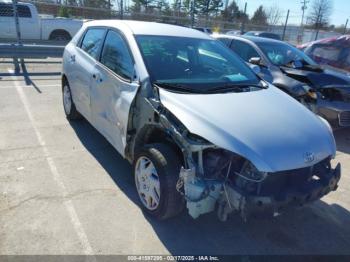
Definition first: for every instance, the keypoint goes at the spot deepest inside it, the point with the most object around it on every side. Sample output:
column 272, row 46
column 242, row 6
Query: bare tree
column 274, row 15
column 320, row 13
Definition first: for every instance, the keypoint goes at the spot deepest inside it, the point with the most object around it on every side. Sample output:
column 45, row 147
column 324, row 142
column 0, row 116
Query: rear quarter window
column 330, row 53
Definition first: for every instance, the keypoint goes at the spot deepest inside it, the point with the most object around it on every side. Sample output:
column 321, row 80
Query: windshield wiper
column 177, row 87
column 232, row 87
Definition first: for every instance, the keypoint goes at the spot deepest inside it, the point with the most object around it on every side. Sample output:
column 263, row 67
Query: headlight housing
column 312, row 94
column 251, row 173
column 249, row 178
column 310, row 91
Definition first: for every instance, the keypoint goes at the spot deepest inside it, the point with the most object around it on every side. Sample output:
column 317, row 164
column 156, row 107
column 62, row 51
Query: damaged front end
column 231, row 184
column 229, row 180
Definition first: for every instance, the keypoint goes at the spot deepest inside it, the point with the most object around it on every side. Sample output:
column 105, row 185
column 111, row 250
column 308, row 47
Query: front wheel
column 156, row 171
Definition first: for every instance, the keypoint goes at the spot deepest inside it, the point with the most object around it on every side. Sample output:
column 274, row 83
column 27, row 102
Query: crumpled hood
column 318, row 79
column 267, row 127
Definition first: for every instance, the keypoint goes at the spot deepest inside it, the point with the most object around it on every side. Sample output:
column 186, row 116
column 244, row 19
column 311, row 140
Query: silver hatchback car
column 201, row 129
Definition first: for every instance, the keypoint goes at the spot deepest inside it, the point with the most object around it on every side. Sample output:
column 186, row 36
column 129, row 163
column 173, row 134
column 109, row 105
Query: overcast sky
column 341, row 9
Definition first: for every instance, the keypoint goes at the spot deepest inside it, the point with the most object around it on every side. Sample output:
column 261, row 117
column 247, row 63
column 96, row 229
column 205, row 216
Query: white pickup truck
column 32, row 26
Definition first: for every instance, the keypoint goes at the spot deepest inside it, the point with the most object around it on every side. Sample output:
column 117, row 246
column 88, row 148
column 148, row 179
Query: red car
column 334, row 52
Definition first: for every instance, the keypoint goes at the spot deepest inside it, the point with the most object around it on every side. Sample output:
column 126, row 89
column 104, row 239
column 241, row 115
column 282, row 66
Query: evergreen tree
column 137, row 4
column 233, row 14
column 259, row 17
column 97, row 3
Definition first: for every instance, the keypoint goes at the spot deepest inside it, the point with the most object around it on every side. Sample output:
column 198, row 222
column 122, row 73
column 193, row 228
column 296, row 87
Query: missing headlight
column 249, row 178
column 217, row 161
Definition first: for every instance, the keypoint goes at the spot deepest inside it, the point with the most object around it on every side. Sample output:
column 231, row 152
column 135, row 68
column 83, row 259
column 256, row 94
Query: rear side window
column 329, row 53
column 273, row 36
column 116, row 55
column 92, row 41
column 6, row 10
column 244, row 50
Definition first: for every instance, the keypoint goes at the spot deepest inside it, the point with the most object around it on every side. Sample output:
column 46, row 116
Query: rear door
column 83, row 62
column 113, row 89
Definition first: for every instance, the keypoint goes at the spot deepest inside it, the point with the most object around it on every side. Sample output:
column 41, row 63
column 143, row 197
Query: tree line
column 319, row 11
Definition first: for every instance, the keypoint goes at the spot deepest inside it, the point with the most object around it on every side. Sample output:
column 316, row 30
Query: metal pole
column 285, row 26
column 15, row 16
column 346, row 24
column 243, row 22
column 301, row 31
column 319, row 21
column 303, row 8
column 121, row 9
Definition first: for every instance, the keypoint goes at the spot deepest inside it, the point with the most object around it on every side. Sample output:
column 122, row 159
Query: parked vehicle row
column 324, row 91
column 263, row 34
column 33, row 27
column 239, row 32
column 201, row 129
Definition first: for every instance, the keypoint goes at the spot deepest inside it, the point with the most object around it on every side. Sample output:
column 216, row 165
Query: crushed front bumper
column 314, row 189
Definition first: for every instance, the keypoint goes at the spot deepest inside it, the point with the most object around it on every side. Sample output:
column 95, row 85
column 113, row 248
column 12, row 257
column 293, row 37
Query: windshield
column 281, row 54
column 196, row 64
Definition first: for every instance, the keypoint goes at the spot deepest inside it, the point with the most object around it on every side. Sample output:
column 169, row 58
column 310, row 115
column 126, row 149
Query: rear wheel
column 60, row 35
column 156, row 170
column 68, row 104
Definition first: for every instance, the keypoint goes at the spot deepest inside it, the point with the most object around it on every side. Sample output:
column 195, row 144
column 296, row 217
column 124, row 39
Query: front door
column 113, row 90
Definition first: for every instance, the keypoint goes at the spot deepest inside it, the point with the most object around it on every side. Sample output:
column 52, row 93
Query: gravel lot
column 65, row 190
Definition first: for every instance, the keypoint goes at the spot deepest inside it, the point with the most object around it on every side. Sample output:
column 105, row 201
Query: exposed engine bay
column 233, row 184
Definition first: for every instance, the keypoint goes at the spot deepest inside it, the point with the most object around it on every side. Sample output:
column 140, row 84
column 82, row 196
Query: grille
column 344, row 118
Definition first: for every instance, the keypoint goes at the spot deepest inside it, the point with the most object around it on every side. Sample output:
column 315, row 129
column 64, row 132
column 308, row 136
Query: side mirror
column 255, row 61
column 297, row 64
column 256, row 69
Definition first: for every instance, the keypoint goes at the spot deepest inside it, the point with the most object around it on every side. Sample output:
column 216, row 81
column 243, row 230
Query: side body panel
column 110, row 104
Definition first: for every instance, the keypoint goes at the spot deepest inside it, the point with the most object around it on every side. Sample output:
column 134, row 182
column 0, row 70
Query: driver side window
column 244, row 50
column 116, row 56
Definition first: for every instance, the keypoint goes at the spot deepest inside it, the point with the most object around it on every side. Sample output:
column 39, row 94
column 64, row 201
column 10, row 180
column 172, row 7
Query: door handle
column 72, row 58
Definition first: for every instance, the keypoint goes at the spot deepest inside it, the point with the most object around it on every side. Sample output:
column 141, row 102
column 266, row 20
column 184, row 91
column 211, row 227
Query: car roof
column 254, row 39
column 151, row 28
column 260, row 32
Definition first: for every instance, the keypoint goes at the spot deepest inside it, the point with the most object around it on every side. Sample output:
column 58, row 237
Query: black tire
column 60, row 35
column 73, row 113
column 167, row 165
